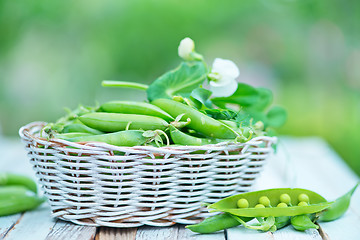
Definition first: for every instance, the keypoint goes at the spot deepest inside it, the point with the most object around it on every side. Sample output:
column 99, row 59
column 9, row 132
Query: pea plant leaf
column 245, row 96
column 180, row 81
column 200, row 96
column 276, row 117
column 221, row 114
column 264, row 101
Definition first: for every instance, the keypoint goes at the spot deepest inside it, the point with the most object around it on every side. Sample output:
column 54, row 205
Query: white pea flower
column 186, row 50
column 223, row 77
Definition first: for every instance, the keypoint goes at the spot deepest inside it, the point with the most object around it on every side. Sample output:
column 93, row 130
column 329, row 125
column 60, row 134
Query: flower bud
column 186, row 47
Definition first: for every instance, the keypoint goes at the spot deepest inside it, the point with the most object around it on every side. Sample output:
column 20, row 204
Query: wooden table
column 300, row 162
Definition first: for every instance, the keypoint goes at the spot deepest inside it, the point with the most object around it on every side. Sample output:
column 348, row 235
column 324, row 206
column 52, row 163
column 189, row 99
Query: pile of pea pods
column 159, row 123
column 273, row 209
column 17, row 194
column 181, row 109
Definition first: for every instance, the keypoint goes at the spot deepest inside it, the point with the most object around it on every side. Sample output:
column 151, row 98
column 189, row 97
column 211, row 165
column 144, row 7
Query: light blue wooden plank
column 34, row 225
column 186, row 234
column 248, row 234
column 65, row 230
column 320, row 169
column 7, row 223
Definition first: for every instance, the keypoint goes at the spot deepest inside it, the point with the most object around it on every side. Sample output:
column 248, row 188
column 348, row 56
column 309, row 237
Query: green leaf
column 180, row 81
column 245, row 96
column 276, row 117
column 221, row 114
column 265, row 99
column 200, row 96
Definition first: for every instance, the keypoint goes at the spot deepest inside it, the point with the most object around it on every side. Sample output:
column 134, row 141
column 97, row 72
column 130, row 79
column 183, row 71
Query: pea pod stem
column 123, row 84
column 265, row 225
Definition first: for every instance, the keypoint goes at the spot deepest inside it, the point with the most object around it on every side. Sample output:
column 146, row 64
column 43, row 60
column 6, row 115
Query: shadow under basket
column 98, row 184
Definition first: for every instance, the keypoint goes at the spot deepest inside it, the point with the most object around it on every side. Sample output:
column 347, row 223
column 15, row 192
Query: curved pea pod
column 216, row 223
column 71, row 135
column 181, row 138
column 113, row 122
column 127, row 138
column 230, row 124
column 19, row 202
column 281, row 222
column 79, row 128
column 339, row 207
column 8, row 179
column 7, row 192
column 199, row 121
column 131, row 107
column 302, row 222
column 229, row 204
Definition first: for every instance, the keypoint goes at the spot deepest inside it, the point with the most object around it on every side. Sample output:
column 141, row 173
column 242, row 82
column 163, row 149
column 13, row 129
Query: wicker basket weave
column 99, row 184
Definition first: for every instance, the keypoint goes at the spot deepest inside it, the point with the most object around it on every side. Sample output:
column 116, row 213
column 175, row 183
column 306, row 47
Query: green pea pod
column 216, row 223
column 7, row 179
column 229, row 204
column 8, row 191
column 302, row 222
column 199, row 121
column 130, row 107
column 19, row 203
column 229, row 123
column 282, row 221
column 71, row 135
column 181, row 138
column 79, row 128
column 339, row 207
column 127, row 138
column 113, row 122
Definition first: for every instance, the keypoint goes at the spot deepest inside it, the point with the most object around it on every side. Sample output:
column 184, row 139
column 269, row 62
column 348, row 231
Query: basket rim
column 25, row 134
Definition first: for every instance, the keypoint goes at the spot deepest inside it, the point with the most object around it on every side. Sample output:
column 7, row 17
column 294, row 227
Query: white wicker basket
column 99, row 184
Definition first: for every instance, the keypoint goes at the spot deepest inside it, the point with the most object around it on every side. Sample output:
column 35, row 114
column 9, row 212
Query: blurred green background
column 56, row 53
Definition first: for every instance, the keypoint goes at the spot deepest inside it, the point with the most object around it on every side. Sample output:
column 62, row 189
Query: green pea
column 243, row 203
column 15, row 199
column 200, row 122
column 302, row 223
column 282, row 205
column 339, row 207
column 285, row 198
column 71, row 135
column 128, row 138
column 301, row 204
column 259, row 206
column 264, row 201
column 131, row 107
column 216, row 223
column 229, row 204
column 181, row 138
column 113, row 122
column 7, row 179
column 303, row 198
column 79, row 128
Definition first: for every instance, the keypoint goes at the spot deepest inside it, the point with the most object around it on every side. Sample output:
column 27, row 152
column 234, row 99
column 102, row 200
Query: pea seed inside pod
column 259, row 206
column 282, row 205
column 302, row 204
column 285, row 198
column 303, row 197
column 264, row 201
column 243, row 203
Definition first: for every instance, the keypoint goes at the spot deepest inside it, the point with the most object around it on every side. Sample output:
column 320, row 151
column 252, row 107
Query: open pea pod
column 316, row 202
